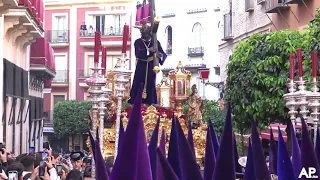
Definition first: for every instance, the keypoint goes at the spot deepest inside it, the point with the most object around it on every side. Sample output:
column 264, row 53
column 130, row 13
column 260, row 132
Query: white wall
column 182, row 36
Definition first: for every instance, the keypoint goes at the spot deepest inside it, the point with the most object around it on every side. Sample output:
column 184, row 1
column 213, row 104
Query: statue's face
column 146, row 35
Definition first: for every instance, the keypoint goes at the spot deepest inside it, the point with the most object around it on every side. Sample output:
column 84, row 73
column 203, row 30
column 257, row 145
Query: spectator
column 28, row 163
column 74, row 175
column 83, row 29
column 77, row 160
column 87, row 173
column 16, row 167
column 90, row 30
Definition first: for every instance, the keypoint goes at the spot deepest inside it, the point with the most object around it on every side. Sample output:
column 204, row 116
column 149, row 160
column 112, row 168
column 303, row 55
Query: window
column 61, row 23
column 90, row 62
column 61, row 62
column 109, row 24
column 57, row 98
column 169, row 39
column 197, row 34
column 59, row 28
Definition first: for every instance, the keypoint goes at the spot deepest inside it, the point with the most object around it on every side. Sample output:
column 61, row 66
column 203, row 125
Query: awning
column 36, row 7
column 42, row 58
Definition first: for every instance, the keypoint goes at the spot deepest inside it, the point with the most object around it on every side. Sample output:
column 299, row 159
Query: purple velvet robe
column 140, row 72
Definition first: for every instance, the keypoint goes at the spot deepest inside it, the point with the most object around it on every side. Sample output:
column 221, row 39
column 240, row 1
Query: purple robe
column 140, row 72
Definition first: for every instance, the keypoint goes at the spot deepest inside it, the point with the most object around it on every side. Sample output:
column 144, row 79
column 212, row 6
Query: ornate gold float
column 176, row 92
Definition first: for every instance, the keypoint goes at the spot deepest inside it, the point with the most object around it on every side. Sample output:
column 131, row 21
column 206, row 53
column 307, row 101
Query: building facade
column 239, row 20
column 22, row 79
column 188, row 32
column 70, row 27
column 291, row 14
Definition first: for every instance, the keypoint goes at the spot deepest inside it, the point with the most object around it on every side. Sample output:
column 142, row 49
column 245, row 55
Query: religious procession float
column 111, row 90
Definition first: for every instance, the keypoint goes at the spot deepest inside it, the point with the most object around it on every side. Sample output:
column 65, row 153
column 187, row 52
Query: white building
column 192, row 28
column 247, row 17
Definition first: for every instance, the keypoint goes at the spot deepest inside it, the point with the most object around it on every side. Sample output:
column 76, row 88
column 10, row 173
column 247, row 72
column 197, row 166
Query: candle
column 125, row 38
column 97, row 46
column 104, row 60
column 299, row 55
column 314, row 58
column 292, row 57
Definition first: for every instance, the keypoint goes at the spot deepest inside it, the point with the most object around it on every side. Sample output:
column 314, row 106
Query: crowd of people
column 45, row 165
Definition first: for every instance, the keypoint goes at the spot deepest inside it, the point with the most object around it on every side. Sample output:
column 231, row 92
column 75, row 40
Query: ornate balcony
column 104, row 32
column 249, row 5
column 110, row 37
column 196, row 52
column 58, row 38
column 228, row 26
column 274, row 6
column 61, row 79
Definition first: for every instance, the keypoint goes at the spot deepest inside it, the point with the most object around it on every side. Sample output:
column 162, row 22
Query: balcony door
column 61, row 62
column 59, row 34
column 100, row 23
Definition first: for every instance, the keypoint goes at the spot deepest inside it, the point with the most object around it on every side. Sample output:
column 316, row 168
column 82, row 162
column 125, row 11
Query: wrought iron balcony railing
column 62, row 76
column 57, row 36
column 228, row 26
column 85, row 73
column 196, row 52
column 249, row 5
column 274, row 6
column 104, row 32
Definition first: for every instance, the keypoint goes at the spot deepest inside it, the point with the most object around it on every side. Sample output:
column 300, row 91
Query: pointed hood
column 318, row 146
column 190, row 168
column 164, row 170
column 102, row 169
column 190, row 139
column 250, row 172
column 273, row 154
column 296, row 153
column 285, row 169
column 308, row 157
column 152, row 149
column 262, row 171
column 236, row 155
column 133, row 158
column 215, row 141
column 121, row 133
column 162, row 144
column 173, row 152
column 224, row 168
column 210, row 159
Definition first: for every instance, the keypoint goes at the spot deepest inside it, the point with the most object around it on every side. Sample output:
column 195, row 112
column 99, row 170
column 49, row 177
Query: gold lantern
column 163, row 93
column 180, row 84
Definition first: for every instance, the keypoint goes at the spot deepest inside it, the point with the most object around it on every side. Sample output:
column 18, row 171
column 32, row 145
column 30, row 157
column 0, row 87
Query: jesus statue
column 144, row 73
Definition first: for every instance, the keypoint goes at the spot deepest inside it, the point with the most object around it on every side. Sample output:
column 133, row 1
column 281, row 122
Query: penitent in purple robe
column 142, row 55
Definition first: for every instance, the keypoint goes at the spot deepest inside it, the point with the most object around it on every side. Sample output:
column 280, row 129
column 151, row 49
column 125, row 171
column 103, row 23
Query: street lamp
column 204, row 75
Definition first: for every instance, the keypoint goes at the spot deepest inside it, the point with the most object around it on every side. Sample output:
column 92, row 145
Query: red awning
column 39, row 52
column 42, row 53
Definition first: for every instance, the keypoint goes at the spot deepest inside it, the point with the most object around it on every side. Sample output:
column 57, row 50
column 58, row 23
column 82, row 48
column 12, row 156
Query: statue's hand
column 159, row 55
column 152, row 49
